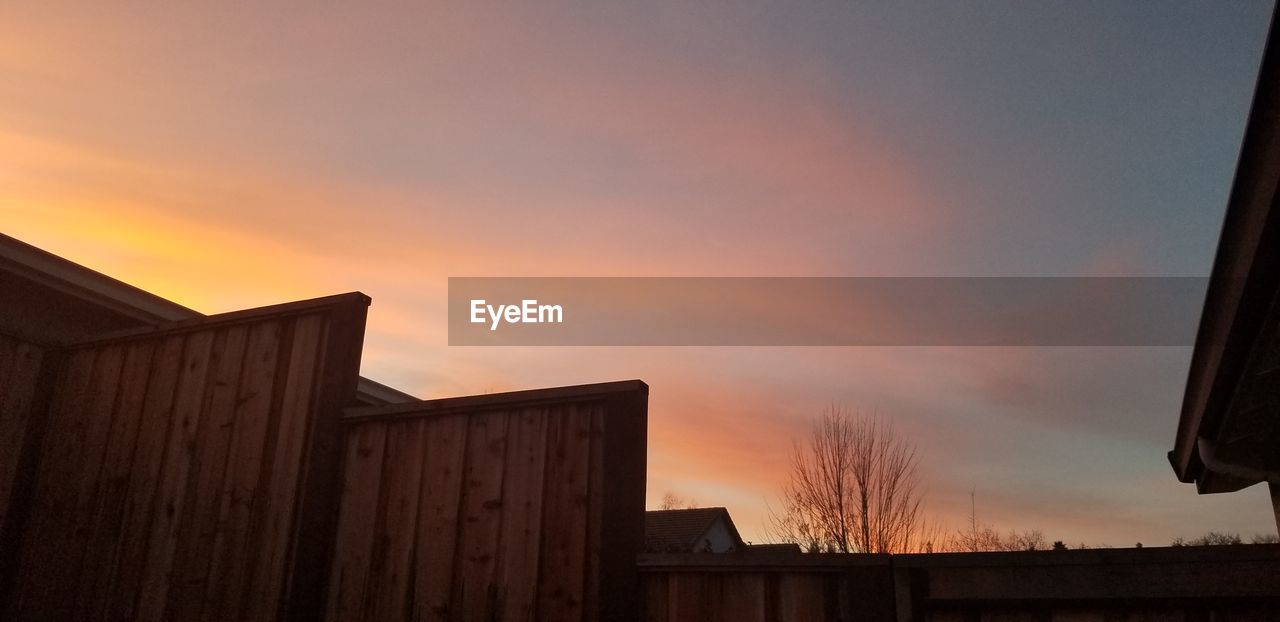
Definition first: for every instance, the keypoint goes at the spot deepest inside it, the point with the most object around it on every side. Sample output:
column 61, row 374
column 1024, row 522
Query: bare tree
column 853, row 488
column 982, row 537
column 673, row 501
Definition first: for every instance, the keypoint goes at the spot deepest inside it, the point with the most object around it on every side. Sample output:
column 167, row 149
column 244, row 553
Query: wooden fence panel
column 1180, row 583
column 180, row 464
column 518, row 506
column 752, row 595
column 20, row 364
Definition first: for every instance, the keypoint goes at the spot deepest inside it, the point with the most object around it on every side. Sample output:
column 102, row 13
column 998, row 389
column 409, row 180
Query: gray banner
column 837, row 311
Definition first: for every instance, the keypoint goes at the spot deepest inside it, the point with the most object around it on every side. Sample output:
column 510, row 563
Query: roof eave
column 1242, row 284
column 100, row 291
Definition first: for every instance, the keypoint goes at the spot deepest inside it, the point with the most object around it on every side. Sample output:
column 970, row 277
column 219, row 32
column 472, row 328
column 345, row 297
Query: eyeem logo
column 527, row 312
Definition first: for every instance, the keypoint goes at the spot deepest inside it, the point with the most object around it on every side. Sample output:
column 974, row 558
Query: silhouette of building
column 695, row 530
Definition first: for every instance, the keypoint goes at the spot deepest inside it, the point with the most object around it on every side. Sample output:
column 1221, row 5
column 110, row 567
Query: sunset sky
column 238, row 155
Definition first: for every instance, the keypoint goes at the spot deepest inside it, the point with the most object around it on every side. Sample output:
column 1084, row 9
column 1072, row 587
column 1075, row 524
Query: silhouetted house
column 1229, row 430
column 695, row 530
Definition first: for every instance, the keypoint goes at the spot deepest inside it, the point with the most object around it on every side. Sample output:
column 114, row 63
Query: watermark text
column 527, row 312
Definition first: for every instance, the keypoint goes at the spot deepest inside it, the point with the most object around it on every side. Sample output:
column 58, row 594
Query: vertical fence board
column 388, row 595
column 363, row 469
column 144, row 477
column 98, row 415
column 522, row 514
column 180, row 454
column 655, row 597
column 90, row 441
column 690, row 600
column 284, row 470
column 802, row 597
column 745, row 598
column 20, row 364
column 54, row 498
column 478, row 545
column 198, row 525
column 562, row 574
column 107, row 522
column 595, row 510
column 228, row 561
column 439, row 503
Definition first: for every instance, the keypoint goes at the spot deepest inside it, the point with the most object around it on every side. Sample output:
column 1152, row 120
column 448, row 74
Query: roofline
column 95, row 288
column 1243, row 283
column 507, row 400
column 720, row 511
column 71, row 278
column 374, row 393
column 733, row 529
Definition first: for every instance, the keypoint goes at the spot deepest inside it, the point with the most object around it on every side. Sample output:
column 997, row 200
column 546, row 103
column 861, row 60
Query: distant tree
column 1214, row 538
column 988, row 539
column 673, row 501
column 1211, row 538
column 1030, row 540
column 980, row 537
column 1059, row 545
column 853, row 487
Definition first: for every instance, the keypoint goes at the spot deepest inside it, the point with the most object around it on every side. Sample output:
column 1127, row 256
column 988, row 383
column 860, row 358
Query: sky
column 234, row 155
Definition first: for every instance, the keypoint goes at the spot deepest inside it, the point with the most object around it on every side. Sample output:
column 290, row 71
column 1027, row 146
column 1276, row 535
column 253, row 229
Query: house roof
column 680, row 530
column 51, row 300
column 1228, row 433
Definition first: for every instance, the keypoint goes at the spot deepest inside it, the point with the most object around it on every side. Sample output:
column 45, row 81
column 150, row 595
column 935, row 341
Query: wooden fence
column 20, row 363
column 214, row 469
column 180, row 472
column 746, row 587
column 211, row 468
column 1221, row 583
column 515, row 506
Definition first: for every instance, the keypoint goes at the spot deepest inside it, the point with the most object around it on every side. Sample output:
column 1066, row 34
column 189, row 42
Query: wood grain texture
column 357, row 521
column 397, row 514
column 50, row 524
column 563, row 570
column 198, row 525
column 281, row 471
column 478, row 543
column 105, row 525
column 172, row 462
column 522, row 514
column 1181, row 583
column 240, row 500
column 19, row 370
column 506, row 507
